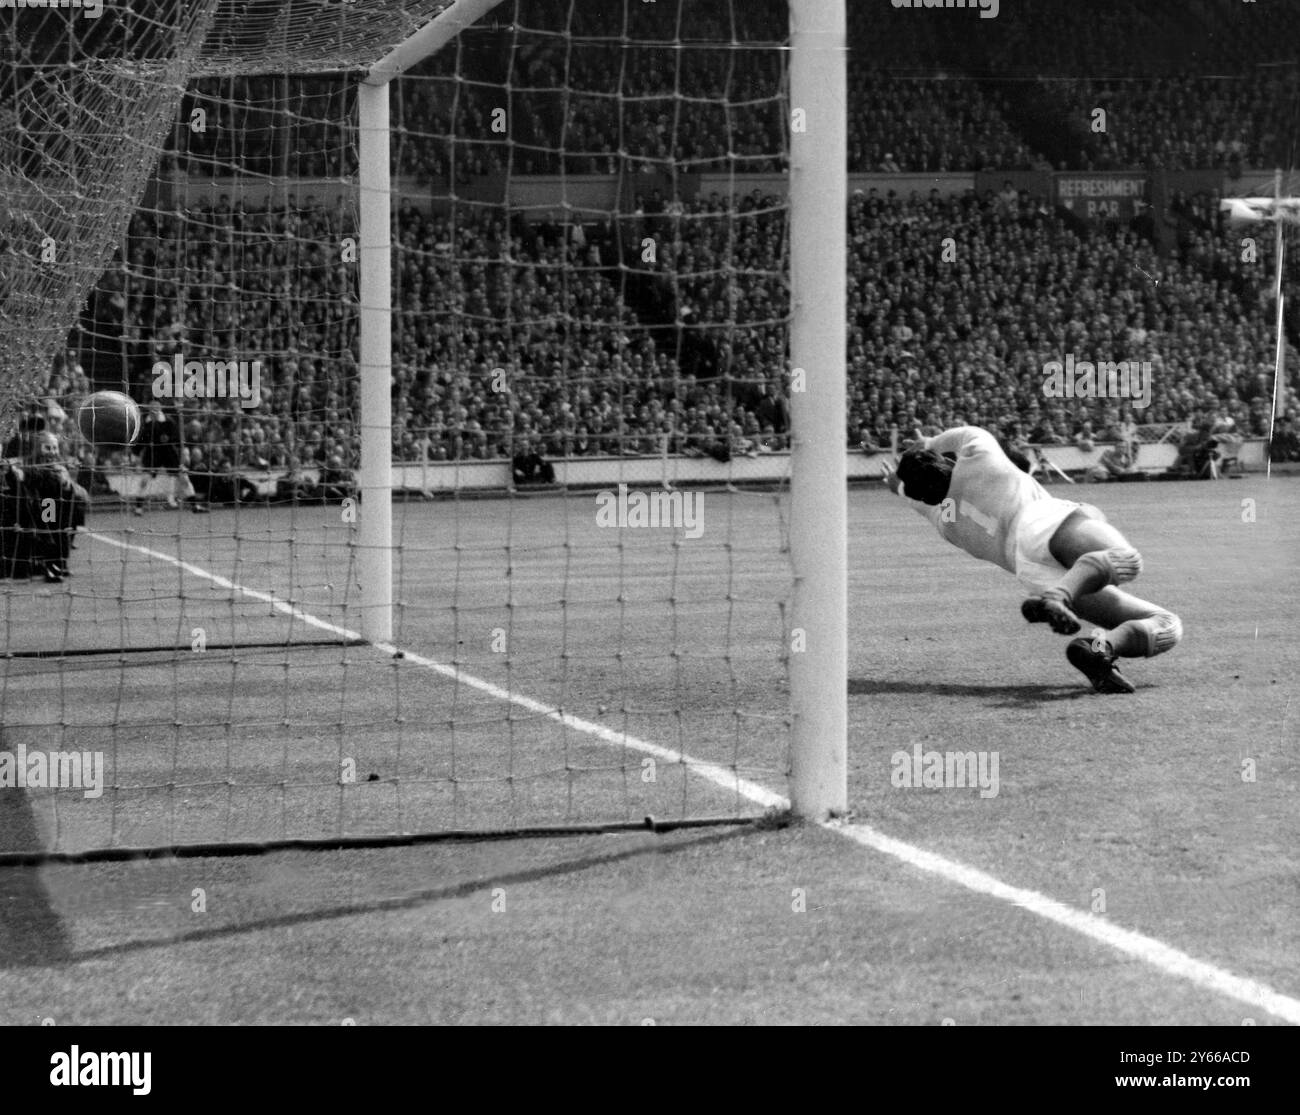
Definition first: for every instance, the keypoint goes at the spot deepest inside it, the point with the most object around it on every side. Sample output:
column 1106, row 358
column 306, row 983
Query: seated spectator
column 1117, row 464
column 295, row 486
column 215, row 483
column 703, row 441
column 1127, row 432
column 581, row 444
column 530, row 467
column 1197, row 454
column 870, row 442
column 1228, row 447
column 1285, row 445
column 1045, row 434
column 739, row 444
column 772, row 409
column 337, row 482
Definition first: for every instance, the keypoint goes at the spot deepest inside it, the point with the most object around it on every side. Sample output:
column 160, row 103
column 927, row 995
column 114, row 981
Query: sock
column 1145, row 638
column 1128, row 640
column 1086, row 575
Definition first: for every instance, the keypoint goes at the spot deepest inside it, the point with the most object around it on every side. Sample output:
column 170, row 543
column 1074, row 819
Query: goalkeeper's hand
column 890, row 477
column 914, row 437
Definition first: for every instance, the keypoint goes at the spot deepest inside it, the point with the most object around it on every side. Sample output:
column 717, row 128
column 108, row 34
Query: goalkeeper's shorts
column 1036, row 569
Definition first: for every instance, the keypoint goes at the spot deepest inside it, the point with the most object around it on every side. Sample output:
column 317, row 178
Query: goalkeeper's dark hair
column 1013, row 454
column 925, row 475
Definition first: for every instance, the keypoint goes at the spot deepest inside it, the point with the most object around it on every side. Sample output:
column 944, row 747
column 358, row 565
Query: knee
column 1166, row 633
column 1119, row 563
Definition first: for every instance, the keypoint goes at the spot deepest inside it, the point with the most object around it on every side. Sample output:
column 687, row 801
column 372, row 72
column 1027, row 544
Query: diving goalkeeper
column 1066, row 553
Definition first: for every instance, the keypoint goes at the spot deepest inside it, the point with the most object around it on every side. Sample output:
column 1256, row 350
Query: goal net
column 462, row 337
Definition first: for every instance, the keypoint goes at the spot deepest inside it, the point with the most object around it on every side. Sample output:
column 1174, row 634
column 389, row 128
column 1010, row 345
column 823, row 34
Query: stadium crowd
column 926, row 94
column 557, row 339
column 516, row 339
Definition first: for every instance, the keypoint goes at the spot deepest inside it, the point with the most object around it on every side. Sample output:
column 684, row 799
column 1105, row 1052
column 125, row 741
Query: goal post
column 818, row 201
column 450, row 236
column 818, row 498
column 375, row 561
column 375, row 520
column 429, row 39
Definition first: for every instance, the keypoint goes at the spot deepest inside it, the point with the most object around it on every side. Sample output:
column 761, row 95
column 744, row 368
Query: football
column 109, row 418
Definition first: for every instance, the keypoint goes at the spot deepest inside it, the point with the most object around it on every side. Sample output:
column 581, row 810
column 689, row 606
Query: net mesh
column 587, row 278
column 83, row 111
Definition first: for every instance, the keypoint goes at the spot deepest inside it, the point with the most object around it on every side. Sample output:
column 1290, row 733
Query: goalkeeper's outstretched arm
column 957, row 439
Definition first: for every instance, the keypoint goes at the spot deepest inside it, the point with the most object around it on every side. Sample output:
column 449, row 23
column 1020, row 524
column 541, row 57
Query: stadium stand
column 689, row 359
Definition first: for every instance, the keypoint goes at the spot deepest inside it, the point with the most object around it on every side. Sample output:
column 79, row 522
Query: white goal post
column 375, row 523
column 818, row 518
column 818, row 497
column 646, row 248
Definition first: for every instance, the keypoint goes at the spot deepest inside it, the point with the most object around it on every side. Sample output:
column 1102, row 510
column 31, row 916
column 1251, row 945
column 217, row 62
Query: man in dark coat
column 41, row 507
column 160, row 451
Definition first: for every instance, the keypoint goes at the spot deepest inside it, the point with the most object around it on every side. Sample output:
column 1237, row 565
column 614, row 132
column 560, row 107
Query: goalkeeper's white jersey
column 985, row 498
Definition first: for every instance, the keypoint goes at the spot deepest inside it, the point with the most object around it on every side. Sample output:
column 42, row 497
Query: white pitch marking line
column 1157, row 954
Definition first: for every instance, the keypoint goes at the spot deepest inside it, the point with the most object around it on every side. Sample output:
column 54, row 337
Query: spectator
column 41, row 507
column 1197, row 453
column 336, row 482
column 1115, row 464
column 530, row 467
column 32, row 422
column 160, row 451
column 296, row 486
column 1285, row 445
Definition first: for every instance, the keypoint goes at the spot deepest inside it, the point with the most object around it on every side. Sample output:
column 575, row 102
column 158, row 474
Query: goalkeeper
column 1066, row 553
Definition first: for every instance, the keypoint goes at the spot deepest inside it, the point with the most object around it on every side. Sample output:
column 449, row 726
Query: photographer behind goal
column 41, row 507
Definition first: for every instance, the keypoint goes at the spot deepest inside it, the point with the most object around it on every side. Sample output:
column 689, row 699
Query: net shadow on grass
column 414, row 901
column 224, row 716
column 361, row 745
column 30, row 930
column 1017, row 695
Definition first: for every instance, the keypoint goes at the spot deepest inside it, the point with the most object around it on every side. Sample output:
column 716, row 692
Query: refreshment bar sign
column 1103, row 197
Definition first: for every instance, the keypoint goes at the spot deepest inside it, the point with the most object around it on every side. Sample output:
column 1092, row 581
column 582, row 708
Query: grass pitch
column 1170, row 812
